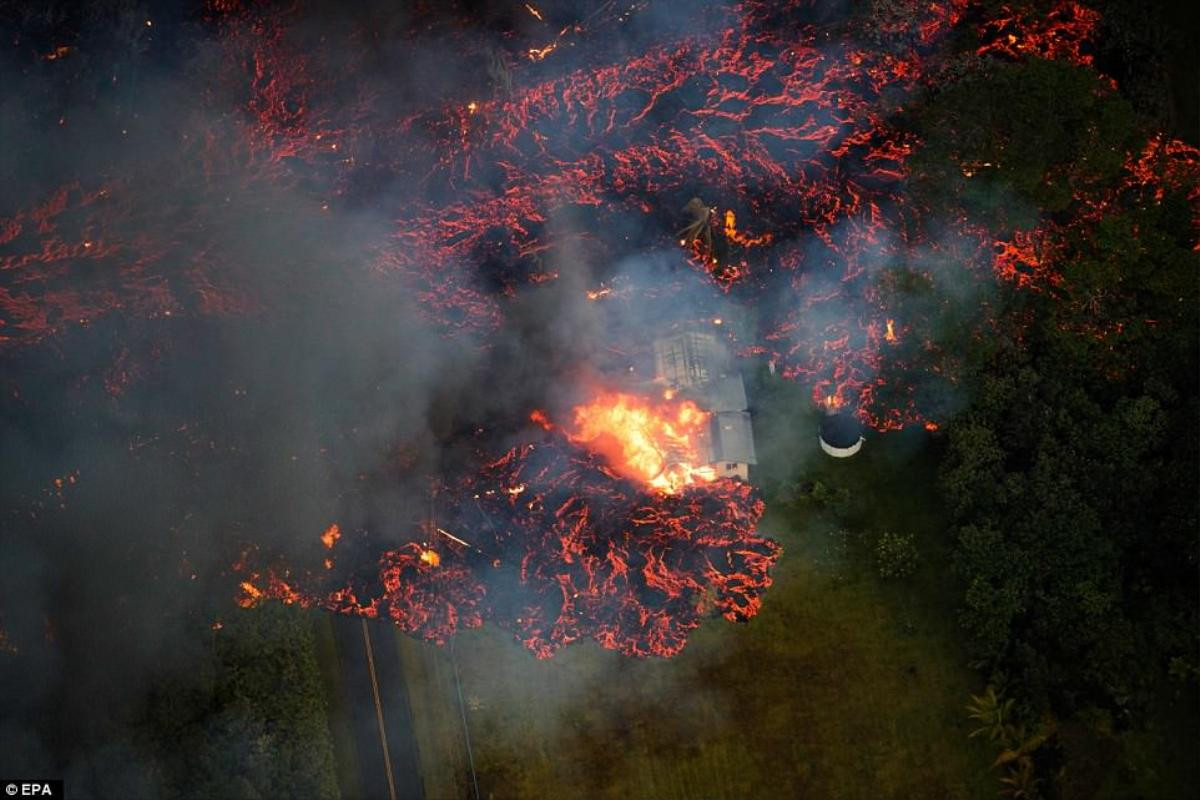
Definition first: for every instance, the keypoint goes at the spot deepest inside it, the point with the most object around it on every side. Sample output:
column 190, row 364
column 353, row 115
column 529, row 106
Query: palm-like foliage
column 699, row 232
column 993, row 711
column 1020, row 783
column 1022, row 745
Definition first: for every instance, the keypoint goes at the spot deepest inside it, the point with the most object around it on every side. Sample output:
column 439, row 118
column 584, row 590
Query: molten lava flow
column 660, row 444
column 1059, row 35
column 631, row 566
column 570, row 550
column 412, row 585
column 608, row 527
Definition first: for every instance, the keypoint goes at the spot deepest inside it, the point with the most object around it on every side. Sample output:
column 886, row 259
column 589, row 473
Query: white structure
column 700, row 368
column 840, row 435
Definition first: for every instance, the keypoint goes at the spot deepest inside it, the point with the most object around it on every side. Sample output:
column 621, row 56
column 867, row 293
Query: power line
column 462, row 709
column 463, row 712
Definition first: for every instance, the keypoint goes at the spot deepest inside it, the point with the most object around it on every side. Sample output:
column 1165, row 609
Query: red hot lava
column 582, row 533
column 567, row 549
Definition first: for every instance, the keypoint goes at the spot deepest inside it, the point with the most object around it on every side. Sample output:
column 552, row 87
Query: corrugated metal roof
column 732, row 439
column 725, row 393
column 691, row 358
column 702, row 366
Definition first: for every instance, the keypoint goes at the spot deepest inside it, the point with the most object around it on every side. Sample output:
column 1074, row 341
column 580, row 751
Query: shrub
column 895, row 555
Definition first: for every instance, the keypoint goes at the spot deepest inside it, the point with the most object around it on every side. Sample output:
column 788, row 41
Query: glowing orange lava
column 251, row 595
column 660, row 443
column 330, row 536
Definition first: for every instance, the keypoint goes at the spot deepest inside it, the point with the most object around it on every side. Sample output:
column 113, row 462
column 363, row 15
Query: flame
column 891, row 331
column 538, row 416
column 659, row 444
column 431, row 558
column 733, row 235
column 538, row 54
column 330, row 536
column 251, row 595
column 533, row 10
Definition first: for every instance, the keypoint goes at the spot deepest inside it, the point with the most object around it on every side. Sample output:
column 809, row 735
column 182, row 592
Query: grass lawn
column 437, row 717
column 845, row 686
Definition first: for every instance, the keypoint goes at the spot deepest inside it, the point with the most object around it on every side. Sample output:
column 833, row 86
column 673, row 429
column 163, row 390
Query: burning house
column 698, row 367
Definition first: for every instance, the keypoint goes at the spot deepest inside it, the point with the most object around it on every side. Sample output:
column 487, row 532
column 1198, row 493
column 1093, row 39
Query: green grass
column 844, row 686
column 433, row 700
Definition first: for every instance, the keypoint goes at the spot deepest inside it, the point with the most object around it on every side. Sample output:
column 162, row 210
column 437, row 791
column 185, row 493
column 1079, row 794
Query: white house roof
column 731, row 438
column 701, row 366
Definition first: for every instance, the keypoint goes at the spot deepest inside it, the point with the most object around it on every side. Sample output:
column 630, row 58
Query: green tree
column 249, row 719
column 1010, row 141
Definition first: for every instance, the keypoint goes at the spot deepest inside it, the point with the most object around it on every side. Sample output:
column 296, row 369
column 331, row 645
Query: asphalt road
column 377, row 703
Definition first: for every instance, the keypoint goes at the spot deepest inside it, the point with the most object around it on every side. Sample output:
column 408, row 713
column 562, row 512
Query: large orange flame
column 657, row 443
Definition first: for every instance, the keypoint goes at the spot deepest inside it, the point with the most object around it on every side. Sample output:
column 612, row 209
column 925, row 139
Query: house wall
column 730, row 469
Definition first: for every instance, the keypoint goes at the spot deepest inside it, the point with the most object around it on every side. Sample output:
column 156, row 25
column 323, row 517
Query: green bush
column 895, row 555
column 817, row 495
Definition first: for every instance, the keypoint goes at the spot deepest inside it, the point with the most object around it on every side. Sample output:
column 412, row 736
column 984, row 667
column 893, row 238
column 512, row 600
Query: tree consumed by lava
column 552, row 543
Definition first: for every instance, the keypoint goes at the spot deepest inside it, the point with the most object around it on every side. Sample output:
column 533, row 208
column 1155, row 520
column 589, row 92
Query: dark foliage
column 249, row 719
